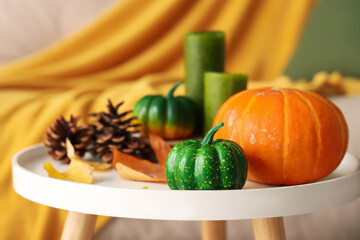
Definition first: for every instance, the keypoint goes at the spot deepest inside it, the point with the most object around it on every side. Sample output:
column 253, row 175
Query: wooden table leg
column 78, row 226
column 269, row 228
column 213, row 230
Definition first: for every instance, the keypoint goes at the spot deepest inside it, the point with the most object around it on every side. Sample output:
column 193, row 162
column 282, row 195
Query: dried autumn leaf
column 70, row 150
column 96, row 166
column 133, row 174
column 52, row 172
column 160, row 147
column 78, row 171
column 132, row 168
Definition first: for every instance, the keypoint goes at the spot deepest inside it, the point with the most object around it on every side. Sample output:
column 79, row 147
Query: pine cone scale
column 118, row 139
column 107, row 158
column 60, row 153
column 128, row 150
column 104, row 138
column 111, row 146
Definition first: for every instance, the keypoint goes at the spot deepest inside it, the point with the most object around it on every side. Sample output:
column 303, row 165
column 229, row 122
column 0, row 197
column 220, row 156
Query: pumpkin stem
column 210, row 134
column 171, row 92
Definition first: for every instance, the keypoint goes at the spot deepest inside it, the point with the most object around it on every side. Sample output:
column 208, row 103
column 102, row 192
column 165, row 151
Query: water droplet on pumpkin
column 252, row 139
column 278, row 146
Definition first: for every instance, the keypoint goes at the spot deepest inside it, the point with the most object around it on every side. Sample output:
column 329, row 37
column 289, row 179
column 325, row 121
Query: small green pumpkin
column 206, row 165
column 168, row 117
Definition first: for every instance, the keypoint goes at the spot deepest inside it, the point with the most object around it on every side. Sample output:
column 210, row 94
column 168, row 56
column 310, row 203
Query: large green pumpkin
column 206, row 165
column 169, row 117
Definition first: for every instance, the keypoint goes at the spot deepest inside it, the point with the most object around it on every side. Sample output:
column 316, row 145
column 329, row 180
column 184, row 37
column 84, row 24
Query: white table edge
column 184, row 205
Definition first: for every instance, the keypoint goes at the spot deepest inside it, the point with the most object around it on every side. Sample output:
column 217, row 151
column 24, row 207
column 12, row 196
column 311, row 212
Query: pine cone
column 61, row 129
column 112, row 130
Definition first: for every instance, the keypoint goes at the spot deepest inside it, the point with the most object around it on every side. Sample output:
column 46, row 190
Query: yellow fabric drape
column 134, row 48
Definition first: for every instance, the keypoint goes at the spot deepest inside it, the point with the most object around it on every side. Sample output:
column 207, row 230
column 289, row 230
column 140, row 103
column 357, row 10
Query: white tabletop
column 110, row 195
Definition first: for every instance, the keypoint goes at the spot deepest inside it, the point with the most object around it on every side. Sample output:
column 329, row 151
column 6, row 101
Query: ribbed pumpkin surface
column 289, row 136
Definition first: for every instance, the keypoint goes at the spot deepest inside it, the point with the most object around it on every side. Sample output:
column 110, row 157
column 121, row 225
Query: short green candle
column 204, row 52
column 218, row 88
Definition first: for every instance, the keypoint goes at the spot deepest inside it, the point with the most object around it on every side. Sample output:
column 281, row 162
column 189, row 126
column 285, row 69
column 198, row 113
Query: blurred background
column 330, row 41
column 27, row 26
column 329, row 44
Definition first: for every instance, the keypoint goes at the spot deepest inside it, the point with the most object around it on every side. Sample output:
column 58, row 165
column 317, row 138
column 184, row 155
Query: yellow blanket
column 134, row 48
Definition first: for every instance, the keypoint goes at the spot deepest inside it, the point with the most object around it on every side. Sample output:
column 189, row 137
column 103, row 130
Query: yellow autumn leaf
column 78, row 171
column 53, row 172
column 70, row 150
column 98, row 166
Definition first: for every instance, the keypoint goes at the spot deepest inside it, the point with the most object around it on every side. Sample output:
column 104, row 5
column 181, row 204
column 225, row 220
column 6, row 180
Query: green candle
column 218, row 88
column 204, row 52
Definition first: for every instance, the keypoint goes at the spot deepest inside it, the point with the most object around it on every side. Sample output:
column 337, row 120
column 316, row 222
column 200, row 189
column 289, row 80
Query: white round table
column 110, row 195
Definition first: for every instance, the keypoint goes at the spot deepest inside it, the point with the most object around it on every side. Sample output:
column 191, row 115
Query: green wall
column 330, row 42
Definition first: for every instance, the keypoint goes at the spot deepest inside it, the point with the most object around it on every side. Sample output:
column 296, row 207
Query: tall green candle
column 204, row 52
column 218, row 87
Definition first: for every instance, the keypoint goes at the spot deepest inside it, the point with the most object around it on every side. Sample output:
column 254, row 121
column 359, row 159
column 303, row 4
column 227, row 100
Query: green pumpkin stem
column 210, row 134
column 171, row 92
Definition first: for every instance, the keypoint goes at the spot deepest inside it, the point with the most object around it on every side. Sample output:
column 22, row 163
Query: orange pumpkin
column 289, row 136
